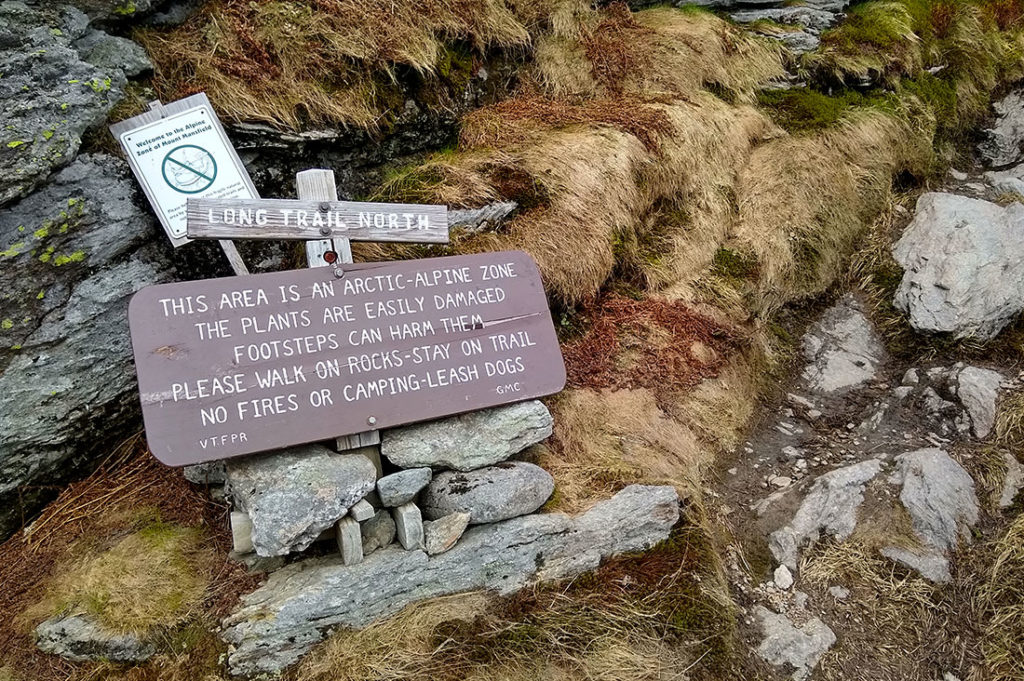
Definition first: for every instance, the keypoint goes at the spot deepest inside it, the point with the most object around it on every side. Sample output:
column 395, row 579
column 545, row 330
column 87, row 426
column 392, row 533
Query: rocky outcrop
column 977, row 390
column 843, row 349
column 113, row 52
column 75, row 252
column 49, row 94
column 1013, row 482
column 963, row 262
column 284, row 618
column 490, row 494
column 469, row 441
column 786, row 645
column 293, row 495
column 80, row 639
column 830, row 506
column 1003, row 142
column 939, row 496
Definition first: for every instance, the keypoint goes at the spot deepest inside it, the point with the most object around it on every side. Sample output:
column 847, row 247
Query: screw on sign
column 189, row 169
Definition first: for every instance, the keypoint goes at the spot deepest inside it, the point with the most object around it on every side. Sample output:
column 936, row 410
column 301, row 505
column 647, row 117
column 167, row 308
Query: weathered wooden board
column 310, row 220
column 247, row 364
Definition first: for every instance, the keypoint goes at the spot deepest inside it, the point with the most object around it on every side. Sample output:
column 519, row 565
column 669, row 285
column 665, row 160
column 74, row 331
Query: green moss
column 807, row 110
column 14, row 144
column 41, row 294
column 7, row 324
column 42, row 232
column 77, row 256
column 126, row 9
column 13, row 250
column 733, row 264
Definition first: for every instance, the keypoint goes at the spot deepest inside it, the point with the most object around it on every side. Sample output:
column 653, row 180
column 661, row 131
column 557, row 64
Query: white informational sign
column 182, row 154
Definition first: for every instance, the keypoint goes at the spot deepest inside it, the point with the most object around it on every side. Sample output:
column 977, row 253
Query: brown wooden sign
column 308, row 220
column 247, row 364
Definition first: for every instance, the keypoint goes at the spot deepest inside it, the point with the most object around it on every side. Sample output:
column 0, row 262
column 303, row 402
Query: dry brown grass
column 329, row 61
column 804, row 201
column 156, row 576
column 93, row 550
column 650, row 616
column 659, row 51
column 1002, row 597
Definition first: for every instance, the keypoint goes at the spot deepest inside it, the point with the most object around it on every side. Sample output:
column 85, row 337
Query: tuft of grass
column 1002, row 597
column 152, row 577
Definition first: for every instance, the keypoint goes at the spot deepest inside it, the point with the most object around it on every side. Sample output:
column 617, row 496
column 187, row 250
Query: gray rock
column 786, row 645
column 928, row 562
column 377, row 532
column 939, row 496
column 1003, row 142
column 241, row 533
column 112, row 11
column 402, row 487
column 440, row 535
column 208, row 473
column 48, row 94
column 293, row 495
column 287, row 616
column 830, row 505
column 350, row 541
column 783, row 578
column 361, row 510
column 963, row 262
column 482, row 219
column 469, row 441
column 1013, row 482
column 75, row 252
column 113, row 52
column 80, row 639
column 1009, row 181
column 510, row 489
column 808, row 17
column 843, row 349
column 840, row 593
column 408, row 526
column 977, row 389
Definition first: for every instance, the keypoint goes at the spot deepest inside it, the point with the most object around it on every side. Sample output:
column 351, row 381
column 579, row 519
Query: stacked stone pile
column 426, row 484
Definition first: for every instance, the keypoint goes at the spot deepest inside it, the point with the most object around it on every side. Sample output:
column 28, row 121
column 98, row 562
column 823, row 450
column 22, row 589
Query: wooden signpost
column 248, row 364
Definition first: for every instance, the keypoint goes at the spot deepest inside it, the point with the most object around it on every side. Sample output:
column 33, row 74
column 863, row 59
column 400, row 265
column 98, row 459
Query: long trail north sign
column 246, row 364
column 290, row 219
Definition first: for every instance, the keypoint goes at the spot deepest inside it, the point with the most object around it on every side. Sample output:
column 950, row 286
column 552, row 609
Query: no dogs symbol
column 189, row 169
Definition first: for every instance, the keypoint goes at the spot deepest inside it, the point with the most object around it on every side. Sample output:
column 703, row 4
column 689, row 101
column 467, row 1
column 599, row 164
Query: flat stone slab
column 293, row 495
column 469, row 441
column 843, row 349
column 490, row 494
column 830, row 505
column 786, row 645
column 283, row 619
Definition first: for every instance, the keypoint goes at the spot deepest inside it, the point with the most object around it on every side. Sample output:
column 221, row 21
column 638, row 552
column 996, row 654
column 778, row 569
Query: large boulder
column 510, row 489
column 82, row 639
column 843, row 349
column 469, row 441
column 74, row 253
column 830, row 506
column 283, row 619
column 49, row 94
column 963, row 262
column 293, row 495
